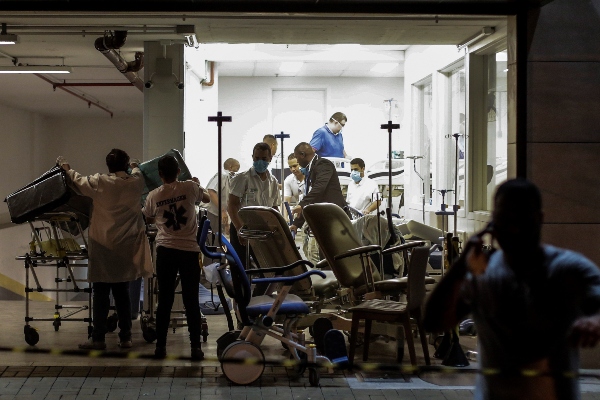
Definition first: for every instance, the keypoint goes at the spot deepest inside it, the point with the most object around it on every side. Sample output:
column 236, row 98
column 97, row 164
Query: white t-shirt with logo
column 293, row 188
column 173, row 206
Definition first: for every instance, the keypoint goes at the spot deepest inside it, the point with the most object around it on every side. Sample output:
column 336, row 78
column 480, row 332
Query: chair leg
column 409, row 338
column 423, row 338
column 368, row 323
column 353, row 336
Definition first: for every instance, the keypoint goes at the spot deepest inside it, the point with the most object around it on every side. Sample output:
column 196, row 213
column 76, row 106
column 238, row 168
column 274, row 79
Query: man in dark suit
column 322, row 186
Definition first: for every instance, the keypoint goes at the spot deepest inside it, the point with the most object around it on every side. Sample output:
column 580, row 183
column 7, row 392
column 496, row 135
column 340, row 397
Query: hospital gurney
column 52, row 245
column 257, row 315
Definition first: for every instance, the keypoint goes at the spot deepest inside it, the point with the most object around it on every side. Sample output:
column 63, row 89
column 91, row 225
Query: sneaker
column 92, row 345
column 125, row 344
column 197, row 354
column 160, row 352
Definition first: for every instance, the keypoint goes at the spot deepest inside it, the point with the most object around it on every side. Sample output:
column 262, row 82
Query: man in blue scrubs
column 328, row 140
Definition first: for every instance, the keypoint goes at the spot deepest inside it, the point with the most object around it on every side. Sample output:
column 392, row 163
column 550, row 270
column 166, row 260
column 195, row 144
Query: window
column 425, row 126
column 497, row 122
column 456, row 149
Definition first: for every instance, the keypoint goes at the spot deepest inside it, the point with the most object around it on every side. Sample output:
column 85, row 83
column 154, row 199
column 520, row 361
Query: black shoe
column 160, row 352
column 197, row 354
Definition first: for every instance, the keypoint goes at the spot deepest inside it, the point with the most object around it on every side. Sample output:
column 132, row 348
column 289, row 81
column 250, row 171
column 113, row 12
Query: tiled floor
column 135, row 375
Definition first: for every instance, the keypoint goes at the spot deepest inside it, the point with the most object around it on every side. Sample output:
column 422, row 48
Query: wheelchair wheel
column 149, row 334
column 111, row 322
column 242, row 374
column 31, row 335
column 313, row 376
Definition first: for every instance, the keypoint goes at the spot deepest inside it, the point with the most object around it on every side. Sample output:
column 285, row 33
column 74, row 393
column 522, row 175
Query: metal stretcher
column 52, row 245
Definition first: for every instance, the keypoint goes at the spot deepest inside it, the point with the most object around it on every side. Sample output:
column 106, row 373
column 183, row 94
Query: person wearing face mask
column 362, row 192
column 327, row 141
column 255, row 187
column 230, row 167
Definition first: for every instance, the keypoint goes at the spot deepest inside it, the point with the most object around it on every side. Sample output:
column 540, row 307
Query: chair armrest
column 278, row 269
column 323, row 264
column 359, row 250
column 404, row 246
column 289, row 280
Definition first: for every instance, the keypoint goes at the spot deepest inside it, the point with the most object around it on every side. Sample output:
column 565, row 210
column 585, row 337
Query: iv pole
column 415, row 158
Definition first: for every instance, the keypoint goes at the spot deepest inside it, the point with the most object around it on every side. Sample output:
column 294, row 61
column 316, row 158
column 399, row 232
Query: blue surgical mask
column 304, row 171
column 260, row 166
column 355, row 175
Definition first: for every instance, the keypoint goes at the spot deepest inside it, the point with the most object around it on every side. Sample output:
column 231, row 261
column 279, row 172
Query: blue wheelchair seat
column 260, row 305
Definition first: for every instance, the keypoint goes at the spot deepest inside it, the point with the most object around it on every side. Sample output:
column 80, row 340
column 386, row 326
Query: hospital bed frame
column 52, row 245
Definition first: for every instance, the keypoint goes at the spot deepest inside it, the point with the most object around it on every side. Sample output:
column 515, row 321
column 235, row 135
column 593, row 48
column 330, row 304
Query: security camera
column 179, row 85
column 149, row 84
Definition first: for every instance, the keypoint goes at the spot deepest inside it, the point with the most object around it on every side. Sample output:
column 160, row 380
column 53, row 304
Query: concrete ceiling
column 68, row 39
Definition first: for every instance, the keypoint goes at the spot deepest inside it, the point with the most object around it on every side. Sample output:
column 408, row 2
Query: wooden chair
column 395, row 312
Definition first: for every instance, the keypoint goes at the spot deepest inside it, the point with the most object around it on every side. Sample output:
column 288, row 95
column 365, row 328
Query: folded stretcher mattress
column 47, row 193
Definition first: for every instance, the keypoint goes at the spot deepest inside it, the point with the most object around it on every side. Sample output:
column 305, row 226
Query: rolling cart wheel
column 111, row 322
column 300, row 367
column 242, row 374
column 313, row 376
column 90, row 330
column 56, row 324
column 149, row 334
column 31, row 335
column 204, row 335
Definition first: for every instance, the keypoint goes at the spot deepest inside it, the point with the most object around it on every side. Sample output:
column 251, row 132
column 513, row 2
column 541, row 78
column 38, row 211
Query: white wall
column 248, row 101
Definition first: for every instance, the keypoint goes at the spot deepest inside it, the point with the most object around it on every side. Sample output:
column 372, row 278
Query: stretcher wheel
column 242, row 374
column 149, row 334
column 31, row 335
column 90, row 331
column 111, row 322
column 56, row 324
column 313, row 376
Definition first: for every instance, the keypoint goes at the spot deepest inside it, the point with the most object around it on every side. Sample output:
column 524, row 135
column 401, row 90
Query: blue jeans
column 120, row 292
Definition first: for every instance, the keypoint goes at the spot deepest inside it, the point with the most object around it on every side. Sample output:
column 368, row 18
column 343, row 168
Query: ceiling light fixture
column 384, row 68
column 35, row 69
column 6, row 38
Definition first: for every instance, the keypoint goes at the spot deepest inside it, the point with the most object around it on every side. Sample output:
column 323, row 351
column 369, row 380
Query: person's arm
column 214, row 198
column 371, row 207
column 233, row 207
column 86, row 185
column 585, row 331
column 316, row 142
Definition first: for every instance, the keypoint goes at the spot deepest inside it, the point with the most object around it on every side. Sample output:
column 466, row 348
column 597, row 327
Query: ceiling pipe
column 90, row 102
column 92, row 84
column 212, row 75
column 108, row 44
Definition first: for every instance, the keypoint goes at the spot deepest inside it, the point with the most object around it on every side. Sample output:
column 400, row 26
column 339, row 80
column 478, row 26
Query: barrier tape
column 365, row 366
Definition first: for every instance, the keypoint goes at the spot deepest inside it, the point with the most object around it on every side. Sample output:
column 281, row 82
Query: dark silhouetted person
column 533, row 304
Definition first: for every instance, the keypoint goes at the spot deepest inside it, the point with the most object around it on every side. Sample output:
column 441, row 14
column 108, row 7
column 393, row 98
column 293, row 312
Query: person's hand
column 196, row 180
column 365, row 212
column 63, row 163
column 294, row 229
column 477, row 259
column 585, row 331
column 134, row 163
column 297, row 210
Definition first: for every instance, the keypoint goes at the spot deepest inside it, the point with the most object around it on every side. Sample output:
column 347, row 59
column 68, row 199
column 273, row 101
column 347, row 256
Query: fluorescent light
column 31, row 69
column 384, row 68
column 291, row 66
column 6, row 38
